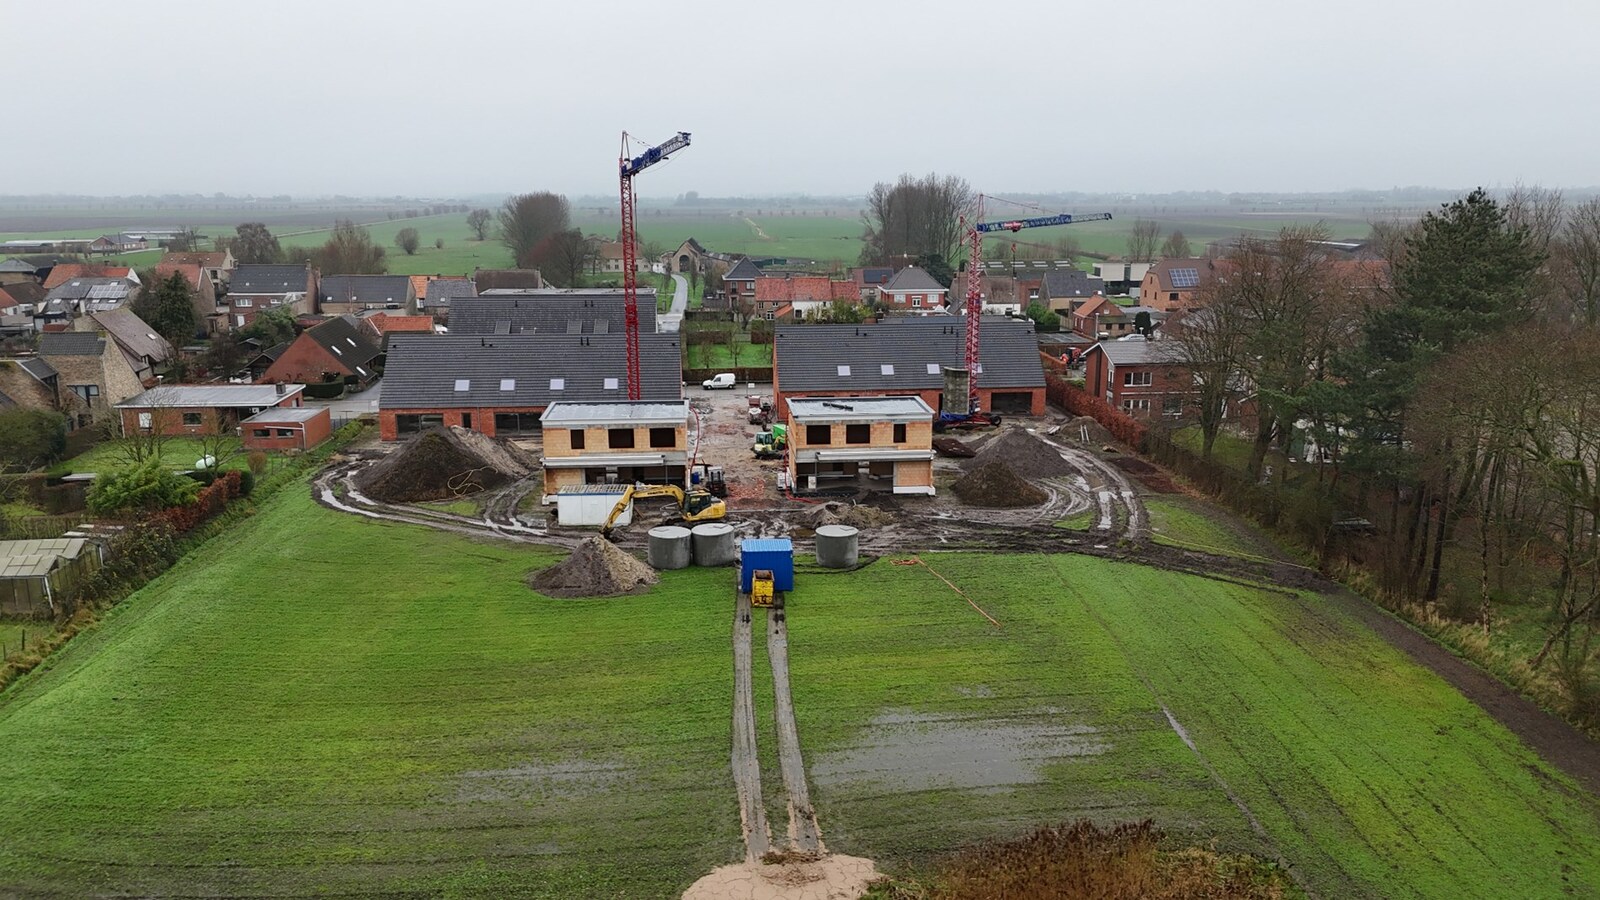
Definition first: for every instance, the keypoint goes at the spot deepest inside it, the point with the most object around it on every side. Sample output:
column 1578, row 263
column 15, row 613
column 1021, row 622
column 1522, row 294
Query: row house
column 255, row 288
column 587, row 311
column 500, row 384
column 615, row 442
column 868, row 442
column 350, row 294
column 911, row 356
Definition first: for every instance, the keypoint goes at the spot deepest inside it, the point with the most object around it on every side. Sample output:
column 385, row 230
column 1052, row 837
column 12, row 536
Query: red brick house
column 739, row 285
column 1144, row 379
column 255, row 288
column 286, row 428
column 802, row 293
column 335, row 350
column 202, row 408
column 914, row 290
column 1172, row 284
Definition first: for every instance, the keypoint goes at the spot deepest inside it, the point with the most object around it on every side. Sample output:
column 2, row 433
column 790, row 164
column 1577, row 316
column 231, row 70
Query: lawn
column 1185, row 523
column 315, row 703
column 176, row 453
column 18, row 634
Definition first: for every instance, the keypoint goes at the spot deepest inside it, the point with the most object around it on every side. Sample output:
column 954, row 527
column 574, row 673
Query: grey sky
column 451, row 97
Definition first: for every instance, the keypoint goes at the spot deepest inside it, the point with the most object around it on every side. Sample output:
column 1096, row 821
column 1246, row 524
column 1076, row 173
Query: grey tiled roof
column 253, row 279
column 38, row 368
column 355, row 348
column 443, row 290
column 134, row 334
column 548, row 313
column 423, row 370
column 71, row 343
column 365, row 289
column 1070, row 283
column 912, row 278
column 228, row 396
column 809, row 356
column 12, row 264
column 744, row 271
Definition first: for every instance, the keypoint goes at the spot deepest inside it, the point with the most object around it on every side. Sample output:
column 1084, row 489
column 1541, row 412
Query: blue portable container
column 776, row 554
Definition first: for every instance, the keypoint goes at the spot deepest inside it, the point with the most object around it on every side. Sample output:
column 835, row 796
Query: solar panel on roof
column 1185, row 278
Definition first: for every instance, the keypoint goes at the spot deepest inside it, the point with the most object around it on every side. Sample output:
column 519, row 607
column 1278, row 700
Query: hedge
column 1080, row 402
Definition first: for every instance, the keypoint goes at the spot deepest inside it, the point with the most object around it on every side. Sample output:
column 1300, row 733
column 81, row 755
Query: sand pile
column 1025, row 454
column 997, row 486
column 854, row 515
column 442, row 463
column 597, row 568
column 1083, row 430
column 832, row 877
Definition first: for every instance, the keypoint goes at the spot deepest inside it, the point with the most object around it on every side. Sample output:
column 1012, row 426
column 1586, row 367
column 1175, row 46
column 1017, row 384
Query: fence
column 30, row 528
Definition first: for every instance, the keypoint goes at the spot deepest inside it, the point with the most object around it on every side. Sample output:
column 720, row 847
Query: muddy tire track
column 804, row 835
column 746, row 764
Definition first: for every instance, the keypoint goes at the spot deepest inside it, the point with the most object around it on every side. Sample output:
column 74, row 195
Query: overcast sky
column 452, row 97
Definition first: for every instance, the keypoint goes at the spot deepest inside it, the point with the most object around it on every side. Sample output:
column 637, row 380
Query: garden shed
column 40, row 578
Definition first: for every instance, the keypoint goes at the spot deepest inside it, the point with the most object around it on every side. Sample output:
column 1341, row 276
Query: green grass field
column 315, row 703
column 176, row 453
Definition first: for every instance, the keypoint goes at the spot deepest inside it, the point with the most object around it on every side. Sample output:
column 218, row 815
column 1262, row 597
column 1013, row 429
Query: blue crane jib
column 655, row 154
column 1040, row 222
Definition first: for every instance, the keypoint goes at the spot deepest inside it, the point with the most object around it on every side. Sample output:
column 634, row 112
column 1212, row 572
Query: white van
column 718, row 382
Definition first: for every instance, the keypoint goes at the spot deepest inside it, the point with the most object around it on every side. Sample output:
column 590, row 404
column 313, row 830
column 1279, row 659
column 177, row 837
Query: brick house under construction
column 615, row 442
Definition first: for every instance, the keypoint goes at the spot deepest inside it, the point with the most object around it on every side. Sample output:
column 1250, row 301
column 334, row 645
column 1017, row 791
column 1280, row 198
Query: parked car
column 717, row 382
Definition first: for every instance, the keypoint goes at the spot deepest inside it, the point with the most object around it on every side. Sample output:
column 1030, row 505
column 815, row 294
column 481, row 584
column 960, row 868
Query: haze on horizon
column 474, row 96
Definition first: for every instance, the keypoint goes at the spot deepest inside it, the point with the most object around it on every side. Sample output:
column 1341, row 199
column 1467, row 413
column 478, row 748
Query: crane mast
column 630, row 167
column 975, row 278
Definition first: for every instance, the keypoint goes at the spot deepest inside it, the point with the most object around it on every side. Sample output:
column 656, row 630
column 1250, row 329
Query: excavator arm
column 695, row 506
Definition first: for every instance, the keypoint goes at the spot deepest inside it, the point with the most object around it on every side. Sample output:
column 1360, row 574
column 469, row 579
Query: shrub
column 247, row 482
column 257, row 461
column 29, row 437
column 148, row 486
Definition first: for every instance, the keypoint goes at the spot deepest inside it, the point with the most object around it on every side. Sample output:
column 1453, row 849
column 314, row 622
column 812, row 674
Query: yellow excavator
column 693, row 506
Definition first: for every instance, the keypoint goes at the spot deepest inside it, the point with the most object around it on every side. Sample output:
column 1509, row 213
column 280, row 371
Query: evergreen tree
column 167, row 305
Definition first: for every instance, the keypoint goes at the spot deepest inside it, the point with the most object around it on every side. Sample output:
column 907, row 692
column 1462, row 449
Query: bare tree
column 1143, row 240
column 526, row 220
column 350, row 251
column 564, row 256
column 1576, row 260
column 1540, row 211
column 1176, row 246
column 479, row 221
column 916, row 217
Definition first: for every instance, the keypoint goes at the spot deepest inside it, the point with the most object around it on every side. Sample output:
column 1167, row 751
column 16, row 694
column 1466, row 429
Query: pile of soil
column 443, row 463
column 1075, row 429
column 1025, row 454
column 856, row 516
column 597, row 568
column 996, row 485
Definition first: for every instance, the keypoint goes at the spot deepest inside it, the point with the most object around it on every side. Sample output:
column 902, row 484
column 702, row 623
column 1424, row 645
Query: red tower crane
column 630, row 278
column 975, row 279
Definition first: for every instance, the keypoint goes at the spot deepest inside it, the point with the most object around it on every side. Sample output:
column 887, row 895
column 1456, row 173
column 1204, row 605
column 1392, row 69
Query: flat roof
column 858, row 409
column 193, row 395
column 622, row 412
column 286, row 414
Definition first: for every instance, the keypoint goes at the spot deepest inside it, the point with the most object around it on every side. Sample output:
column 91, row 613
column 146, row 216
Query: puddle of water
column 531, row 781
column 906, row 751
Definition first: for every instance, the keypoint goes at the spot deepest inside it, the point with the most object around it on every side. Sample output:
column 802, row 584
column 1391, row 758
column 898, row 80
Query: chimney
column 282, row 388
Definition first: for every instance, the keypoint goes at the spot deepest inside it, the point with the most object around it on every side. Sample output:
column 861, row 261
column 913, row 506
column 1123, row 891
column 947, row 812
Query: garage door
column 1013, row 402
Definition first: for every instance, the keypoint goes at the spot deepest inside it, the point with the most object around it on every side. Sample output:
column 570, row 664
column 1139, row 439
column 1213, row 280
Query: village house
column 867, row 442
column 615, row 442
column 692, row 257
column 441, row 293
column 217, row 266
column 18, row 271
column 1062, row 290
column 21, row 298
column 913, row 290
column 336, row 350
column 1121, row 278
column 501, row 384
column 868, row 279
column 802, row 294
column 94, row 374
column 254, row 288
column 1171, row 285
column 341, row 294
column 1099, row 318
column 1143, row 379
column 205, row 291
column 81, row 296
column 148, row 353
column 196, row 409
column 908, row 357
column 739, row 285
column 110, row 244
column 283, row 428
column 379, row 324
column 585, row 311
column 608, row 258
column 30, row 383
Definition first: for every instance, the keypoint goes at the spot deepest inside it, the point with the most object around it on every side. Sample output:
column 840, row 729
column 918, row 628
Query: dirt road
column 746, row 764
column 804, row 835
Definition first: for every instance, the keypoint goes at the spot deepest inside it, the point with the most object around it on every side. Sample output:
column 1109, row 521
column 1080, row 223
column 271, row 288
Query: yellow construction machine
column 693, row 506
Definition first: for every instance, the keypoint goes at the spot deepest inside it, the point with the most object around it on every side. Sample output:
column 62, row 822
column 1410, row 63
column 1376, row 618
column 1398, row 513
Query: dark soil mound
column 834, row 512
column 952, row 447
column 1025, row 454
column 442, row 463
column 597, row 568
column 997, row 486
